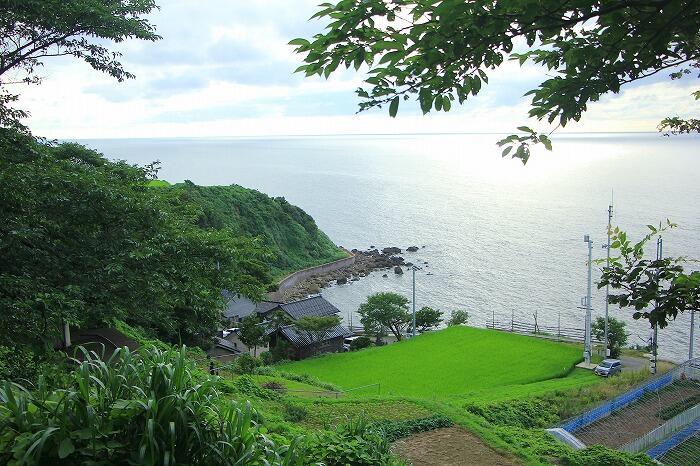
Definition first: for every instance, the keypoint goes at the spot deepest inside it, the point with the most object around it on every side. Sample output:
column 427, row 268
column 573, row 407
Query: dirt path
column 451, row 446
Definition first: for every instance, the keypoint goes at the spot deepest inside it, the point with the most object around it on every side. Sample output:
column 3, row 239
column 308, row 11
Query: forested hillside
column 88, row 241
column 290, row 234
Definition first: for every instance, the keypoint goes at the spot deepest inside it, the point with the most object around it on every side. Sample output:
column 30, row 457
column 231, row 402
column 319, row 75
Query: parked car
column 347, row 341
column 608, row 367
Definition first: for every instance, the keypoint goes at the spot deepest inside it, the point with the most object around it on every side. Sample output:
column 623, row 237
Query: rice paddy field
column 454, row 362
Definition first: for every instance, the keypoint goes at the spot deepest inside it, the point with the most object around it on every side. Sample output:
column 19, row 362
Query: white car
column 347, row 341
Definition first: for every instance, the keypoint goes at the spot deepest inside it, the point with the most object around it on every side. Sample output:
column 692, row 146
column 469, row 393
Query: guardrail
column 559, row 332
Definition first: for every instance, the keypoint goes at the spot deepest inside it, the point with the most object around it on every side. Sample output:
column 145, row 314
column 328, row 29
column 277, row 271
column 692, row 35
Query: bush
column 357, row 443
column 246, row 385
column 360, row 342
column 246, row 364
column 294, row 413
column 599, row 455
column 521, row 413
column 275, row 386
column 458, row 318
column 394, row 430
column 267, row 358
column 150, row 408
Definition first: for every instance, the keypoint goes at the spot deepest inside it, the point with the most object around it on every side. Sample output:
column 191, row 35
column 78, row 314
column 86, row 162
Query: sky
column 224, row 69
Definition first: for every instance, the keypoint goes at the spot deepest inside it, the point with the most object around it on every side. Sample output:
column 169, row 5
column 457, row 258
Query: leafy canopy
column 441, row 52
column 32, row 30
column 252, row 332
column 385, row 310
column 87, row 240
column 427, row 318
column 617, row 335
column 642, row 282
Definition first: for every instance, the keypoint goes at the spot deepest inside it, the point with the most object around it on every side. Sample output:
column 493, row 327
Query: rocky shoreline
column 389, row 259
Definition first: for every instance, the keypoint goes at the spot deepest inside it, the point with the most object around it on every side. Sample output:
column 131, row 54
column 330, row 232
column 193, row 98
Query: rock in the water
column 412, row 248
column 398, row 270
column 354, row 279
column 385, row 276
column 408, row 264
column 392, row 250
column 396, row 260
column 341, row 281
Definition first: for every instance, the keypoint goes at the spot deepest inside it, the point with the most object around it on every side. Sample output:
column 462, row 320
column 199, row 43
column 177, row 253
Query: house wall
column 220, row 355
column 233, row 338
column 334, row 345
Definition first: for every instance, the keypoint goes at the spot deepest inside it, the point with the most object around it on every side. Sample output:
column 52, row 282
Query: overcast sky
column 223, row 68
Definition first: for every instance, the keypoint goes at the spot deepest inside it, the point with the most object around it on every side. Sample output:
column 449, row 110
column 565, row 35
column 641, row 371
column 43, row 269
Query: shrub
column 357, row 443
column 246, row 364
column 275, row 386
column 521, row 413
column 246, row 385
column 149, row 408
column 599, row 455
column 294, row 413
column 678, row 407
column 360, row 342
column 458, row 318
column 267, row 358
column 394, row 430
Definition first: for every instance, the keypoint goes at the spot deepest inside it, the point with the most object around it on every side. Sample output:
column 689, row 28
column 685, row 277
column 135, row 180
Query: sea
column 496, row 238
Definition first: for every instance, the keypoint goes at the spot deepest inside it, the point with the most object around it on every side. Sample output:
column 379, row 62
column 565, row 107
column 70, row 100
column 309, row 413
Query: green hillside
column 290, row 233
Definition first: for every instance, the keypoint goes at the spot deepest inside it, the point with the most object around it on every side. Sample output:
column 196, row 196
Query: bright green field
column 457, row 361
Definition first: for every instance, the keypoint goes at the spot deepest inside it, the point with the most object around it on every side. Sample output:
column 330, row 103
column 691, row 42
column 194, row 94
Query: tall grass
column 150, row 408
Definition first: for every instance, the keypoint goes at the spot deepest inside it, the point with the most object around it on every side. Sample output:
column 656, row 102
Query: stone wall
column 290, row 280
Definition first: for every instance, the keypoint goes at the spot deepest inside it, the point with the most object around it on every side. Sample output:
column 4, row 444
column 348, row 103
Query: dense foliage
column 290, row 234
column 428, row 318
column 31, row 30
column 357, row 443
column 150, row 408
column 85, row 241
column 617, row 335
column 458, row 317
column 394, row 430
column 656, row 288
column 385, row 310
column 441, row 52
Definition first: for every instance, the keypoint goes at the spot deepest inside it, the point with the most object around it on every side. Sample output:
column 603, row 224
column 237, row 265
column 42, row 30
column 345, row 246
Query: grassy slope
column 289, row 232
column 454, row 361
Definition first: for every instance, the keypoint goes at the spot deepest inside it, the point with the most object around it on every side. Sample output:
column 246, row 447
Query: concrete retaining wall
column 292, row 279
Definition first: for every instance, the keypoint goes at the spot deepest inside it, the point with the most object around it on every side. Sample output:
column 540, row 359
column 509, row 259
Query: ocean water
column 500, row 238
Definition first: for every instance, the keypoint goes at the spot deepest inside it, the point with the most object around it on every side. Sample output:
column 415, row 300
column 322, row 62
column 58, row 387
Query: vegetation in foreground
column 446, row 362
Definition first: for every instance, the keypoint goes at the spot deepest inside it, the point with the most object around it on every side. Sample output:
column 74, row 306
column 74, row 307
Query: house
column 305, row 344
column 239, row 307
column 223, row 350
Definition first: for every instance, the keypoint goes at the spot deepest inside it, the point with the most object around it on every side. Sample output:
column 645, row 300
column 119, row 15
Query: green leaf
column 66, row 448
column 298, row 41
column 525, row 129
column 506, row 151
column 394, row 106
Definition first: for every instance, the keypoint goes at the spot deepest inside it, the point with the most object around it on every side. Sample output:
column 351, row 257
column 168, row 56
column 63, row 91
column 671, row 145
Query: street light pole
column 587, row 344
column 607, row 287
column 413, row 268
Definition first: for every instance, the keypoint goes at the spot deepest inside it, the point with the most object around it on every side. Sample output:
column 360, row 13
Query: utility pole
column 587, row 302
column 655, row 338
column 692, row 334
column 607, row 287
column 414, row 268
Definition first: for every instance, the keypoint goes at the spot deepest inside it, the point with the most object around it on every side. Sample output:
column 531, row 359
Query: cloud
column 224, row 68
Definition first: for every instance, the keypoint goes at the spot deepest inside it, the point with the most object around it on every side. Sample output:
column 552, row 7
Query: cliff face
column 290, row 233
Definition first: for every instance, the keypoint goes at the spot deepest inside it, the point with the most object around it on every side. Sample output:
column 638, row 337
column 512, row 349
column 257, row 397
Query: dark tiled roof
column 241, row 306
column 110, row 337
column 301, row 339
column 227, row 345
column 315, row 306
